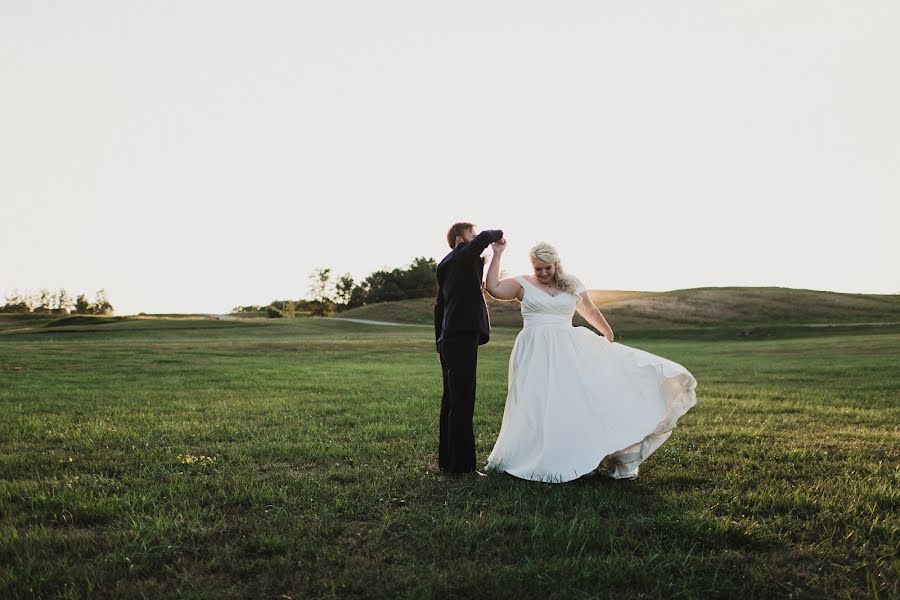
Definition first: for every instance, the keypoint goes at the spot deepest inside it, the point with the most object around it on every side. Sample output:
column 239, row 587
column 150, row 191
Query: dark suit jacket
column 460, row 302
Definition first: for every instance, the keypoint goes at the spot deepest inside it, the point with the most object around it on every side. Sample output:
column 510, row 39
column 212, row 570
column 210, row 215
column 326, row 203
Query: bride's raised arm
column 506, row 289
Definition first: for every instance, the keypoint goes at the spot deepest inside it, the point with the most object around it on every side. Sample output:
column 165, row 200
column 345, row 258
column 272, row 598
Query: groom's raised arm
column 481, row 241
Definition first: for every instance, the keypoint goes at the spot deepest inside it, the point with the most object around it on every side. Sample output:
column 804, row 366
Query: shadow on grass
column 501, row 536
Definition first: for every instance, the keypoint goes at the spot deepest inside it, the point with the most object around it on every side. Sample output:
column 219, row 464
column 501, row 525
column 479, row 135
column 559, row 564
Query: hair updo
column 545, row 252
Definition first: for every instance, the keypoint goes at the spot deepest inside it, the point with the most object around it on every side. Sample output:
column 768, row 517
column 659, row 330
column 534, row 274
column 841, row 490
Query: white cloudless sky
column 193, row 156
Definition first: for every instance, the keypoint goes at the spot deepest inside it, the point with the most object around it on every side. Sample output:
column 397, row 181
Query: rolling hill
column 714, row 313
column 740, row 307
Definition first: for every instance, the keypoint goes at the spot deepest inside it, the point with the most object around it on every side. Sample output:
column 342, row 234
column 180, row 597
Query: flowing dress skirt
column 577, row 402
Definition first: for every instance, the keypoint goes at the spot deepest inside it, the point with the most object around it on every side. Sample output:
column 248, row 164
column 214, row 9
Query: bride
column 578, row 402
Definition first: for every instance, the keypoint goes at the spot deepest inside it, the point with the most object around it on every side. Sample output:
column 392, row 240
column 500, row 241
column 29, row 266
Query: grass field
column 260, row 458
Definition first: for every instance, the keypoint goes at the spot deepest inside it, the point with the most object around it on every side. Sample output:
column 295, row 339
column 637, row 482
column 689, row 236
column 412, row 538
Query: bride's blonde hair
column 545, row 252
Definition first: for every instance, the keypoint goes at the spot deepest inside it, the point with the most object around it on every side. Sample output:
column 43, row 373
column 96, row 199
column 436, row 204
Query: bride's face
column 545, row 272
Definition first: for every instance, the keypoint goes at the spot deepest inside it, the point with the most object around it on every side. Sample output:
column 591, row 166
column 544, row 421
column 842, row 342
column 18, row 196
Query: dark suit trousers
column 459, row 361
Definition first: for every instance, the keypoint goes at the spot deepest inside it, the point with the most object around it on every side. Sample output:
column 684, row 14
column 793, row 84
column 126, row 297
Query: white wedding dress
column 577, row 402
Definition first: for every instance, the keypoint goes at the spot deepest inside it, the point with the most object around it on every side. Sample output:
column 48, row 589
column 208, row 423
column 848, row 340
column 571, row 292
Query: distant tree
column 357, row 297
column 278, row 309
column 344, row 289
column 416, row 280
column 419, row 280
column 321, row 303
column 15, row 303
column 62, row 302
column 383, row 286
column 42, row 301
column 320, row 284
column 82, row 306
column 101, row 305
column 247, row 309
column 323, row 308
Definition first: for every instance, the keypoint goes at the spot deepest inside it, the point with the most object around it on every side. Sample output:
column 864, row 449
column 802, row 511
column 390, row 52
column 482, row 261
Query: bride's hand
column 499, row 246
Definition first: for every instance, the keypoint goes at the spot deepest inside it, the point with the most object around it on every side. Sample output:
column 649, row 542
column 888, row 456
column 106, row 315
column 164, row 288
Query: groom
column 460, row 325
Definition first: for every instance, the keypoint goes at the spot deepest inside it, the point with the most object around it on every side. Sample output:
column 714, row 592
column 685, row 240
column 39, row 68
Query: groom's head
column 459, row 233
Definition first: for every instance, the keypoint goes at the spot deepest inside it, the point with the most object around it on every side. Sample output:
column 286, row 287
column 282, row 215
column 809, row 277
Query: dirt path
column 369, row 322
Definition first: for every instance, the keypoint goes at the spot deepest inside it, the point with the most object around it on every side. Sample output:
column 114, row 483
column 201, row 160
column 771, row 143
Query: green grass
column 265, row 458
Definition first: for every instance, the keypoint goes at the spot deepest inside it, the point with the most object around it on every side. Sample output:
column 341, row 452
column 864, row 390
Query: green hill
column 740, row 307
column 705, row 312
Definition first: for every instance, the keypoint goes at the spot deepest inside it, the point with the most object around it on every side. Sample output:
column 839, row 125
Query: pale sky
column 194, row 156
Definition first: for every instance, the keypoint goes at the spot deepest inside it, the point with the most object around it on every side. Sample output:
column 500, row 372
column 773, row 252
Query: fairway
column 267, row 458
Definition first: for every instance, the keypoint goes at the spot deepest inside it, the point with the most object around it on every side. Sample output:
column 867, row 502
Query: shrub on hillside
column 57, row 303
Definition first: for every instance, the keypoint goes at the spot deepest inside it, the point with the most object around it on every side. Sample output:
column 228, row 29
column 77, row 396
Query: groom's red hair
column 455, row 230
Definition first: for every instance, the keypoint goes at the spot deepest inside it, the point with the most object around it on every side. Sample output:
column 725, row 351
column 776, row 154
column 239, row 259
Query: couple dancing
column 577, row 402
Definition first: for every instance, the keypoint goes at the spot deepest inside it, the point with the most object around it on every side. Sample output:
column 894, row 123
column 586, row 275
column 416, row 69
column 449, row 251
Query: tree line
column 60, row 302
column 327, row 294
